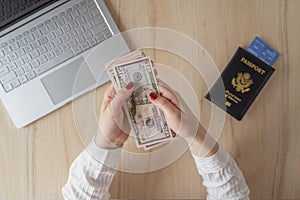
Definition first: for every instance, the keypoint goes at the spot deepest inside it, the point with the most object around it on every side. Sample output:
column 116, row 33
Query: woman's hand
column 182, row 121
column 114, row 127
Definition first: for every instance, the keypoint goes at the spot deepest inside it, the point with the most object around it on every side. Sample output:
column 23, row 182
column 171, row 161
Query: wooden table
column 265, row 144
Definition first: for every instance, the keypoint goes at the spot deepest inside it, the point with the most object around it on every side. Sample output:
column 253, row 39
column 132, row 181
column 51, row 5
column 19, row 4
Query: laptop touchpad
column 60, row 85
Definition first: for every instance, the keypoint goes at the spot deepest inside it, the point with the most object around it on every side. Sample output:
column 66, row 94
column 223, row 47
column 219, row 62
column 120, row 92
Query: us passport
column 240, row 83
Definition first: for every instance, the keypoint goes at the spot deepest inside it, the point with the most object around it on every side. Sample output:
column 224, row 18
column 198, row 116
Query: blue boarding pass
column 263, row 51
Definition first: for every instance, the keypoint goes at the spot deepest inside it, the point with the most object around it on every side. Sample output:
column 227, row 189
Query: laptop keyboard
column 8, row 8
column 51, row 43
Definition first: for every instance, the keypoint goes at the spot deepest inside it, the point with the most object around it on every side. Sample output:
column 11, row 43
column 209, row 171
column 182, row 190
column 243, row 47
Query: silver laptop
column 44, row 44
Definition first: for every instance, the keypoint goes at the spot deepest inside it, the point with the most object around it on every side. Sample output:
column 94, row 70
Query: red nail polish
column 153, row 96
column 129, row 86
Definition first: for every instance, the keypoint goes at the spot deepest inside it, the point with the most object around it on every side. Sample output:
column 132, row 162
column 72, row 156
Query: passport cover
column 243, row 78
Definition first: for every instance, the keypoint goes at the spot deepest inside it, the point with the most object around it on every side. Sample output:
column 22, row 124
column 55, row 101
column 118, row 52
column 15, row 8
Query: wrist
column 104, row 142
column 203, row 144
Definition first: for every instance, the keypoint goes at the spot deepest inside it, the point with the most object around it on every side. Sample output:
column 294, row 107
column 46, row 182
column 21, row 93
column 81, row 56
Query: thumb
column 162, row 102
column 120, row 97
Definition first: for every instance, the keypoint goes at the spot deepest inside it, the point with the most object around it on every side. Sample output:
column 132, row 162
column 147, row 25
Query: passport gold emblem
column 242, row 82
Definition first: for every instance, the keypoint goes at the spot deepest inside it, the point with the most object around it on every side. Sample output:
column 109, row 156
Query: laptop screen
column 12, row 11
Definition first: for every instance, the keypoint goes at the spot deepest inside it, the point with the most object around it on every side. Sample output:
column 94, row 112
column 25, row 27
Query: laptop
column 44, row 45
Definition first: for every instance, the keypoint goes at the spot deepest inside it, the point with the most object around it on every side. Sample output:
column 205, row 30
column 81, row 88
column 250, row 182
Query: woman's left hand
column 114, row 127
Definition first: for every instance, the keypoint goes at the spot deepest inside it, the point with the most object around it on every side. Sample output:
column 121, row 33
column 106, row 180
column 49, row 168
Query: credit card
column 263, row 51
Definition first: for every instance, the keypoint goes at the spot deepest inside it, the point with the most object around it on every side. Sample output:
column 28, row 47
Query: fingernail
column 153, row 96
column 129, row 86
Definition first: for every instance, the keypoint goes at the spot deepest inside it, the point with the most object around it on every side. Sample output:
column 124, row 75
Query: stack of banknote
column 147, row 121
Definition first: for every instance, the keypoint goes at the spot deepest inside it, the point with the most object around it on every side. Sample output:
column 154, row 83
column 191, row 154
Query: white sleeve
column 222, row 177
column 91, row 174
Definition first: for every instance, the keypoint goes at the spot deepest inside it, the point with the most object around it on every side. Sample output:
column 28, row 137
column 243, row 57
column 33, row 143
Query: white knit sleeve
column 91, row 174
column 222, row 177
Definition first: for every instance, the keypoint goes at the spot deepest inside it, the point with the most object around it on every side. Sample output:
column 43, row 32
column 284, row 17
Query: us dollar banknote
column 147, row 121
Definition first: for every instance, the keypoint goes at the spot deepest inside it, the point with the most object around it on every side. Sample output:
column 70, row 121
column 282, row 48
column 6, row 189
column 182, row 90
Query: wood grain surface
column 35, row 160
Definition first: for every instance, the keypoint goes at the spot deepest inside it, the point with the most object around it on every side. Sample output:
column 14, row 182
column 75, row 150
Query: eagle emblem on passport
column 242, row 82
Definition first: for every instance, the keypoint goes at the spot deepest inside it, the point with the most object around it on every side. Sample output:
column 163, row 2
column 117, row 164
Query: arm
column 222, row 177
column 92, row 172
column 220, row 173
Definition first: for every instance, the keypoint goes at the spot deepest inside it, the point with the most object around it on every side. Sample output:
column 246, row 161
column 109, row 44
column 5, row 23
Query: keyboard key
column 7, row 87
column 11, row 66
column 66, row 28
column 100, row 37
column 80, row 19
column 26, row 33
column 3, row 70
column 98, row 29
column 6, row 50
column 13, row 56
column 5, row 60
column 43, row 40
column 57, row 42
column 53, row 26
column 58, row 51
column 58, row 32
column 73, row 43
column 77, row 50
column 45, row 30
column 80, row 29
column 27, row 58
column 28, row 48
column 19, row 37
column 87, row 25
column 83, row 10
column 50, row 55
column 35, row 44
column 27, row 67
column 88, row 35
column 65, row 37
column 29, row 38
column 4, row 44
column 75, row 14
column 23, row 79
column 20, row 52
column 35, row 63
column 54, row 18
column 15, row 83
column 42, row 50
column 8, row 77
column 42, row 59
column 95, row 12
column 19, row 71
column 11, row 41
column 51, row 36
column 31, row 75
column 60, row 21
column 97, row 20
column 88, row 16
column 50, row 45
column 73, row 33
column 65, row 46
column 37, row 34
column 23, row 42
column 85, row 45
column 35, row 54
column 68, row 18
column 80, row 39
column 58, row 60
column 48, row 21
column 73, row 24
column 19, row 62
column 15, row 46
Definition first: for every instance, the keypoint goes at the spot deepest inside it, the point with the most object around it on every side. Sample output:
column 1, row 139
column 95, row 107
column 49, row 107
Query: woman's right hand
column 182, row 120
